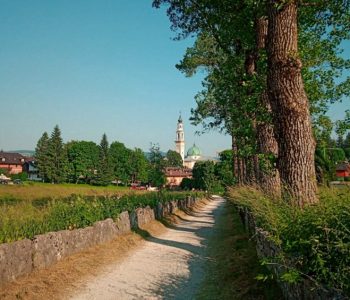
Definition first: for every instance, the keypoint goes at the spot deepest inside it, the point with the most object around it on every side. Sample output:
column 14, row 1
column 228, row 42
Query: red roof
column 343, row 167
column 10, row 158
column 178, row 172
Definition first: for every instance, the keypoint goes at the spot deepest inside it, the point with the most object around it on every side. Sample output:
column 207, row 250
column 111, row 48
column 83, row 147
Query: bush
column 340, row 178
column 347, row 179
column 316, row 239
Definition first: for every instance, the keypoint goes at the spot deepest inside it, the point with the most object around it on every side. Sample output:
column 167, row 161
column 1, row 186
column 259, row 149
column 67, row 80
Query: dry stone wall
column 22, row 257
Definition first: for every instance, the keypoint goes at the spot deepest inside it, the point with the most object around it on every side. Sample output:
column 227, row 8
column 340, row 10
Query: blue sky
column 93, row 67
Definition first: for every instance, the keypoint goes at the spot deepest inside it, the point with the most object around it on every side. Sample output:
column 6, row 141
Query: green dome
column 194, row 151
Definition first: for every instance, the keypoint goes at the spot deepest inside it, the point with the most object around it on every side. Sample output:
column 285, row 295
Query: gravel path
column 169, row 266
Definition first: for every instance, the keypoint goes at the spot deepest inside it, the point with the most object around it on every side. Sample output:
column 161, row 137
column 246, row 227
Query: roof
column 343, row 167
column 11, row 158
column 177, row 172
column 194, row 151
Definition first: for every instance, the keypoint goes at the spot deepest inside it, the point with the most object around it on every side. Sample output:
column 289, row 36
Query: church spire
column 180, row 138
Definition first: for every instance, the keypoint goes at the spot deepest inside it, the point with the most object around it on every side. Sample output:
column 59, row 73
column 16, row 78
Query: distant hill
column 24, row 152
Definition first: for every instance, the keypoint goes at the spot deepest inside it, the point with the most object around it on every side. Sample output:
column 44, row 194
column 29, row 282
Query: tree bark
column 234, row 158
column 290, row 105
column 269, row 178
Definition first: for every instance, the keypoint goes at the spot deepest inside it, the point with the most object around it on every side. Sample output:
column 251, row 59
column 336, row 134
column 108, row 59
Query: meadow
column 35, row 190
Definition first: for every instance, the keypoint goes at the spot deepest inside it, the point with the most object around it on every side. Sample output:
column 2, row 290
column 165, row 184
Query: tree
column 139, row 166
column 224, row 170
column 82, row 160
column 42, row 157
column 290, row 104
column 204, row 177
column 156, row 175
column 57, row 158
column 322, row 26
column 104, row 172
column 173, row 159
column 121, row 160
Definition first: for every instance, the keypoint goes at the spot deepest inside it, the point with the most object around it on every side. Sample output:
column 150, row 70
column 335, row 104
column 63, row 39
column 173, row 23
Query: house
column 343, row 170
column 174, row 175
column 11, row 162
column 31, row 169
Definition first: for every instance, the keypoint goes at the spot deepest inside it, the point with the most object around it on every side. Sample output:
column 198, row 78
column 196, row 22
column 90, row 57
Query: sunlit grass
column 31, row 190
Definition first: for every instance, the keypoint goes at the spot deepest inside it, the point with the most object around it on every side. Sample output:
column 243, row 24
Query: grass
column 34, row 190
column 233, row 264
column 23, row 218
column 316, row 238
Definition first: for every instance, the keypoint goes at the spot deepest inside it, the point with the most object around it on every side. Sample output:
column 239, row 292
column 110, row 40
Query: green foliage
column 316, row 240
column 156, row 175
column 23, row 176
column 187, row 184
column 104, row 170
column 121, row 162
column 173, row 159
column 204, row 177
column 42, row 156
column 4, row 171
column 21, row 219
column 57, row 164
column 224, row 168
column 82, row 160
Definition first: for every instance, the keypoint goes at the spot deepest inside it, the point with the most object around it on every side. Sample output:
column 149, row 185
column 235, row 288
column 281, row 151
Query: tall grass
column 316, row 239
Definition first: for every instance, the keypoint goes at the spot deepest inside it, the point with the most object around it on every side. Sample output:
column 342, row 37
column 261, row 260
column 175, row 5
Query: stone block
column 105, row 231
column 15, row 260
column 123, row 223
column 144, row 216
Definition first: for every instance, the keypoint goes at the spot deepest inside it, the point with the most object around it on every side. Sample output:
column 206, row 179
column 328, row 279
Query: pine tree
column 42, row 156
column 104, row 173
column 57, row 163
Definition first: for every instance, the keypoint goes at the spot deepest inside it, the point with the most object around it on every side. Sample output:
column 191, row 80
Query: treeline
column 87, row 162
column 272, row 69
column 210, row 176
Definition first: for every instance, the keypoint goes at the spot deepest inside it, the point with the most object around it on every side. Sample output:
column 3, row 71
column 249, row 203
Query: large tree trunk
column 290, row 105
column 269, row 178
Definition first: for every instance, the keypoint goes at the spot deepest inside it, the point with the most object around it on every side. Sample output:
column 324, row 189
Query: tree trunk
column 290, row 105
column 234, row 158
column 269, row 178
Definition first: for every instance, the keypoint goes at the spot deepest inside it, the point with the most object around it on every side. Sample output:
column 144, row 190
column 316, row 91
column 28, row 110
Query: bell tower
column 180, row 138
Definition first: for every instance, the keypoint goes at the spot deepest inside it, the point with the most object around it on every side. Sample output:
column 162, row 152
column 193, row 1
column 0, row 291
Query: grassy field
column 31, row 190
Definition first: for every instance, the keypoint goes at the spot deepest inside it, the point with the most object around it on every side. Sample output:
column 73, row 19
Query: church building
column 194, row 154
column 175, row 175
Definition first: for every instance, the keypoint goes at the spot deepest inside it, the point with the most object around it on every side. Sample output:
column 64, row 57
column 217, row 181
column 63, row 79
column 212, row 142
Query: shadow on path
column 185, row 287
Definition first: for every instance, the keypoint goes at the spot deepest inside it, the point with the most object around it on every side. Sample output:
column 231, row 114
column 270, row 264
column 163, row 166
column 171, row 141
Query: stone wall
column 22, row 257
column 266, row 248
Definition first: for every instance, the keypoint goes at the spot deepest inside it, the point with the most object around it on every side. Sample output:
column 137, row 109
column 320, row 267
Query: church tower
column 180, row 139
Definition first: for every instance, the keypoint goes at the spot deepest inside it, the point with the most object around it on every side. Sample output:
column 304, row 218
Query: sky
column 94, row 67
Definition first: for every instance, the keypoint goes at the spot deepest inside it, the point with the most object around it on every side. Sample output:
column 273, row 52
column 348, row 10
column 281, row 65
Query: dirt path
column 168, row 266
